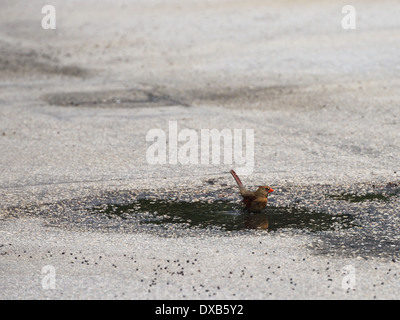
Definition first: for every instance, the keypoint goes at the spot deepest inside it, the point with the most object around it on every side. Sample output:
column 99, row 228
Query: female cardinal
column 255, row 201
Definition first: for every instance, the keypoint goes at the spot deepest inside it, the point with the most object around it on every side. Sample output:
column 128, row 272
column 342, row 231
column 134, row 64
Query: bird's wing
column 247, row 200
column 246, row 193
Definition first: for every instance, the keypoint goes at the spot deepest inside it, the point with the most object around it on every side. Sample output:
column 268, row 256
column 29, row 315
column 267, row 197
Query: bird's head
column 264, row 191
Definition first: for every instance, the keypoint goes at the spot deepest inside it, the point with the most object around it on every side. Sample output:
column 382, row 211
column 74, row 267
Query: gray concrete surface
column 77, row 102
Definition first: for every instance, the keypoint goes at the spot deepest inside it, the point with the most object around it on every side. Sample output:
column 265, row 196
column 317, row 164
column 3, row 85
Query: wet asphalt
column 84, row 215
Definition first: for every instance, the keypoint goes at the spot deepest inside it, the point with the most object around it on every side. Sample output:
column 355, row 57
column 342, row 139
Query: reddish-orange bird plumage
column 255, row 201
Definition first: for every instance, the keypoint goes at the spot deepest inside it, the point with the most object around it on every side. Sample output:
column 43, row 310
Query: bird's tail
column 235, row 176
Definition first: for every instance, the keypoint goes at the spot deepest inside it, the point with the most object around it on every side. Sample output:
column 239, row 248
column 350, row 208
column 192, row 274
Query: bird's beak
column 270, row 190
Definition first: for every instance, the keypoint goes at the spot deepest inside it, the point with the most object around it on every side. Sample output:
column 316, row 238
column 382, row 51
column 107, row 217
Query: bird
column 255, row 201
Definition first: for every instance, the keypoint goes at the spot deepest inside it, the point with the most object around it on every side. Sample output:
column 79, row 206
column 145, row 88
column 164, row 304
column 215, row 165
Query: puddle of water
column 224, row 215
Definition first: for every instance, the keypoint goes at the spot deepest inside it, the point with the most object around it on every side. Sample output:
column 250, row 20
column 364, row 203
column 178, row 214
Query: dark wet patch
column 274, row 97
column 133, row 98
column 352, row 197
column 22, row 62
column 224, row 215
